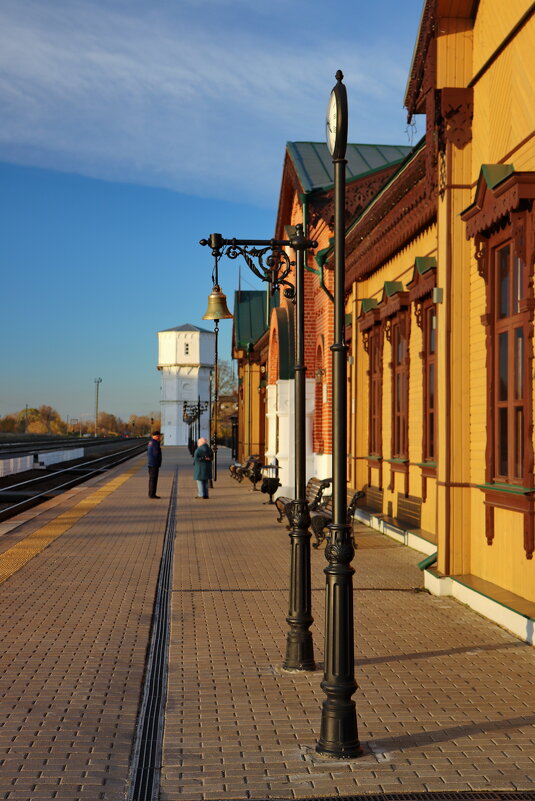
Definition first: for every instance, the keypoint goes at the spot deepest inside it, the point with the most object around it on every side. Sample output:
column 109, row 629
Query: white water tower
column 185, row 358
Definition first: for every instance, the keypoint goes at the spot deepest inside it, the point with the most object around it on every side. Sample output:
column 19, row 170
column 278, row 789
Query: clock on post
column 336, row 122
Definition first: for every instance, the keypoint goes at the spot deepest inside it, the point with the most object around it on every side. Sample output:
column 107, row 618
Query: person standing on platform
column 154, row 461
column 202, row 467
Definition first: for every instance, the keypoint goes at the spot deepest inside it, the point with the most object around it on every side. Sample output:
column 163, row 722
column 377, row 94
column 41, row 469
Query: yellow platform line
column 21, row 553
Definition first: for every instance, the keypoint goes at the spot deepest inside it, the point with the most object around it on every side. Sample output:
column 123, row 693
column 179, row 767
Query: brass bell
column 217, row 306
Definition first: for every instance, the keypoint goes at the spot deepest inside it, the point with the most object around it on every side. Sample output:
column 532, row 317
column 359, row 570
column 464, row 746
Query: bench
column 409, row 511
column 320, row 518
column 254, row 471
column 374, row 499
column 239, row 470
column 314, row 496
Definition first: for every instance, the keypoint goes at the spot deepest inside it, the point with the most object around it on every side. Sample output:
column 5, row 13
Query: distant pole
column 26, row 421
column 98, row 382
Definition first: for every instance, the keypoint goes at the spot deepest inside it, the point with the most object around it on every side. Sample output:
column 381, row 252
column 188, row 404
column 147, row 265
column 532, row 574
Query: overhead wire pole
column 98, row 382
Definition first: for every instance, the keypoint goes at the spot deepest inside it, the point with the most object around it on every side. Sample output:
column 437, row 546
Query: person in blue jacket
column 154, row 461
column 202, row 467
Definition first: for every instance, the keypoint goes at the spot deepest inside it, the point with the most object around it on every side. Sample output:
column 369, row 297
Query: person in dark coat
column 202, row 467
column 154, row 461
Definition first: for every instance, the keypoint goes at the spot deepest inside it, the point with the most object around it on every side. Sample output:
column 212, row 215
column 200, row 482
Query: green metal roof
column 314, row 165
column 425, row 263
column 392, row 288
column 496, row 173
column 250, row 316
column 368, row 304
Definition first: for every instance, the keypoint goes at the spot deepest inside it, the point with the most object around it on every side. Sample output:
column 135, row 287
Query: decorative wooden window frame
column 421, row 288
column 372, row 338
column 395, row 316
column 503, row 212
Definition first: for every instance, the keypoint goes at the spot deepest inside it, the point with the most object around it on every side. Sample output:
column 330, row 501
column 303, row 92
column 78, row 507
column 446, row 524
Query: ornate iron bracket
column 192, row 411
column 266, row 258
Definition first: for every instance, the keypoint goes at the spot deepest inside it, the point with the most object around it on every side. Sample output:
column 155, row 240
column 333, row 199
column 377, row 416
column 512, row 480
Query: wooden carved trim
column 529, row 535
column 516, row 502
column 493, row 204
column 420, row 76
column 369, row 319
column 422, row 285
column 397, row 215
column 481, row 254
column 428, row 471
column 457, row 111
column 489, row 523
column 392, row 306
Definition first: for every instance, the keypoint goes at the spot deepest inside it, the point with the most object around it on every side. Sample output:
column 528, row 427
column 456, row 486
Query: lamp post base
column 338, row 736
column 299, row 651
column 299, row 645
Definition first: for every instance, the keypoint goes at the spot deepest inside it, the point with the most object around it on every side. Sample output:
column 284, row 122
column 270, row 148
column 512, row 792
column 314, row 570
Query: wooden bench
column 374, row 499
column 240, row 470
column 314, row 496
column 254, row 470
column 320, row 518
column 409, row 511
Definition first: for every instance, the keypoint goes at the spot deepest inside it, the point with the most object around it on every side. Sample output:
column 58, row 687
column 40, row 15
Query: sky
column 130, row 130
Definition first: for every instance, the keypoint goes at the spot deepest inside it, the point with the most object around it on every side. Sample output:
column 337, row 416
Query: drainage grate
column 146, row 759
column 468, row 795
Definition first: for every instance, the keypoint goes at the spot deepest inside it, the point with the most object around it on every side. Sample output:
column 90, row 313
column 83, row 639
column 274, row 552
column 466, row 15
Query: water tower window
column 186, row 349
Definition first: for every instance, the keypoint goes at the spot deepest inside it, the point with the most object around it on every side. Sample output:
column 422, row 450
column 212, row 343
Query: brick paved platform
column 74, row 619
column 445, row 698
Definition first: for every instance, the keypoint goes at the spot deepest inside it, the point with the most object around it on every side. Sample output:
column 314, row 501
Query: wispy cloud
column 199, row 96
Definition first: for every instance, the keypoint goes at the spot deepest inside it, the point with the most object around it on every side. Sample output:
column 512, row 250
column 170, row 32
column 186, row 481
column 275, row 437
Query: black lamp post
column 339, row 735
column 268, row 260
column 234, row 441
column 191, row 414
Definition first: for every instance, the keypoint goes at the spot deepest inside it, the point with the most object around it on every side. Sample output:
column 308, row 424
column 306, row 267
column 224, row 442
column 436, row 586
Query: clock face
column 331, row 122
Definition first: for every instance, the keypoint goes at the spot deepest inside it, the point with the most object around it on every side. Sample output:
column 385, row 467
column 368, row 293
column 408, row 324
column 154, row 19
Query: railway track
column 19, row 447
column 17, row 496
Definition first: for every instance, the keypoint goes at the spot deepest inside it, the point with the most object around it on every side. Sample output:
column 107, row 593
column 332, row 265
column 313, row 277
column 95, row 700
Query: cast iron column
column 339, row 735
column 299, row 645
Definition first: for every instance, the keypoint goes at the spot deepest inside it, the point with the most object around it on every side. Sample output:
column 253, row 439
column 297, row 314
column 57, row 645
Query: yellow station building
column 440, row 278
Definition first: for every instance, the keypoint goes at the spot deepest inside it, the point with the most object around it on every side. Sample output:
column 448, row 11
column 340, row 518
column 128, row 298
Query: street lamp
column 98, row 382
column 268, row 260
column 234, row 436
column 338, row 734
column 217, row 310
column 191, row 414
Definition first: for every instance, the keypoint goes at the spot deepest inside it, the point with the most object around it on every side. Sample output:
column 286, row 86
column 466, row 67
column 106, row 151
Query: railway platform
column 445, row 701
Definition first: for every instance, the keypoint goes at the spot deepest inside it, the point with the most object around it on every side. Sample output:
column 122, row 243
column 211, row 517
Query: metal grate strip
column 146, row 758
column 466, row 795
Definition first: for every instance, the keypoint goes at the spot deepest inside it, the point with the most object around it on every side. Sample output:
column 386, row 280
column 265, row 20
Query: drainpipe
column 428, row 561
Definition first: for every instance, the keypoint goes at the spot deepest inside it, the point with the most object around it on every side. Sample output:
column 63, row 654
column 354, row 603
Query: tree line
column 46, row 420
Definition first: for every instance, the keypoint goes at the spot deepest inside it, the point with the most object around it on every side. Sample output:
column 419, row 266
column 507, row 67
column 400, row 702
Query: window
column 430, row 380
column 186, row 348
column 509, row 365
column 399, row 390
column 375, row 392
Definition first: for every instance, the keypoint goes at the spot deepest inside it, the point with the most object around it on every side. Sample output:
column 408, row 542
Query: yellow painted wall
column 503, row 99
column 494, row 21
column 399, row 268
column 504, row 562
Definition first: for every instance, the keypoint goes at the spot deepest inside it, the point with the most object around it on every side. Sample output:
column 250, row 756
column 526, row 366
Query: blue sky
column 133, row 128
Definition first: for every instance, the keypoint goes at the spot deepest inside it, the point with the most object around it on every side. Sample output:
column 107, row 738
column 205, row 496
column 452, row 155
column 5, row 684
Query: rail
column 84, row 470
